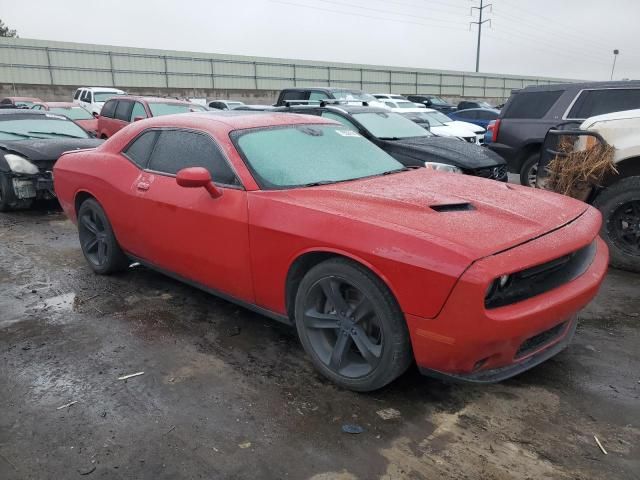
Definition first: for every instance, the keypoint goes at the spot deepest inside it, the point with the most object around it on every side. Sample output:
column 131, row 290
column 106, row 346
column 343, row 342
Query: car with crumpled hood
column 30, row 143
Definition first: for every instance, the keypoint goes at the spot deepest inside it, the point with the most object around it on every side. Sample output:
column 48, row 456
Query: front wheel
column 620, row 207
column 529, row 171
column 351, row 326
column 98, row 243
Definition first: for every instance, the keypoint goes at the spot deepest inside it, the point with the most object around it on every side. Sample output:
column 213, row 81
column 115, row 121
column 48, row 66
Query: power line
column 479, row 23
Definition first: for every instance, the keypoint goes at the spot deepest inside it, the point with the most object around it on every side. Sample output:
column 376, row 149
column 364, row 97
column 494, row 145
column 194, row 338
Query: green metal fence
column 38, row 62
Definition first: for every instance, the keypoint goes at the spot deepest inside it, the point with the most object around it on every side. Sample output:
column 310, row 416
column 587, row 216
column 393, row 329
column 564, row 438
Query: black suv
column 432, row 101
column 530, row 113
column 409, row 143
column 317, row 94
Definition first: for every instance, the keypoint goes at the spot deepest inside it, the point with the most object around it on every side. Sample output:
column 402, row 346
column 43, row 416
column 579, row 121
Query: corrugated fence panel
column 25, row 61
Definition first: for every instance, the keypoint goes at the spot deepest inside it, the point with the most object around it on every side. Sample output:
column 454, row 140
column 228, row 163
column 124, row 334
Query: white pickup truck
column 617, row 195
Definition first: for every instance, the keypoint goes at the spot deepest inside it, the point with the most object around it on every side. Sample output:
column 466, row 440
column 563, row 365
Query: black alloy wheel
column 351, row 326
column 98, row 243
column 624, row 227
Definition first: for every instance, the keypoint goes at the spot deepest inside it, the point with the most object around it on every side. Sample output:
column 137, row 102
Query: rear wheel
column 98, row 243
column 620, row 207
column 529, row 170
column 351, row 326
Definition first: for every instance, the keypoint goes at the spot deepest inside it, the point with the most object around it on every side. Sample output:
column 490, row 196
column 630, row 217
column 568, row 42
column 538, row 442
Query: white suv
column 93, row 98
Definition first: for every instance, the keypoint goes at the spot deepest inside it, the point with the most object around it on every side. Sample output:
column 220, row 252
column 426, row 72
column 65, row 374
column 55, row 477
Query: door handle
column 144, row 186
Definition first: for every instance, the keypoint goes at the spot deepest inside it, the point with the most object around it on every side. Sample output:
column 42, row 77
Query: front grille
column 542, row 278
column 495, row 173
column 537, row 341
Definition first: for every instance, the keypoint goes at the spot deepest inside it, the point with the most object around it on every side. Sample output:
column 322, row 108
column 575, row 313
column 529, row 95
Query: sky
column 571, row 39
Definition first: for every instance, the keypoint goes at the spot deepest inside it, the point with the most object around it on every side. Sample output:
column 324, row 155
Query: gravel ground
column 227, row 393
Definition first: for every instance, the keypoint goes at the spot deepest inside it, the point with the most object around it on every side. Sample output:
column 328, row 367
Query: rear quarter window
column 531, row 104
column 599, row 102
column 108, row 109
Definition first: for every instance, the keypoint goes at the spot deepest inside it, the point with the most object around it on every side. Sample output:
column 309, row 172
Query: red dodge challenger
column 302, row 219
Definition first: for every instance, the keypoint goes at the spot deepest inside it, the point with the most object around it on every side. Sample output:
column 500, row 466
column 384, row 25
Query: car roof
column 235, row 120
column 582, row 86
column 152, row 99
column 494, row 110
column 24, row 99
column 101, row 89
column 25, row 111
column 60, row 104
column 346, row 108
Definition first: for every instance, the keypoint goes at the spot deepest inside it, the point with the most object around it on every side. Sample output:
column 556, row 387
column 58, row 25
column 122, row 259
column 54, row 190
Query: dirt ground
column 227, row 393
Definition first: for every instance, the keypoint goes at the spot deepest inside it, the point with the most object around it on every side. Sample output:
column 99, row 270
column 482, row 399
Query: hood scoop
column 453, row 207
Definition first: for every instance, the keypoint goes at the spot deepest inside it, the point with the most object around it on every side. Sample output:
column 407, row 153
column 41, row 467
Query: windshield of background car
column 353, row 95
column 301, row 155
column 389, row 125
column 406, row 104
column 440, row 117
column 438, row 101
column 104, row 96
column 26, row 127
column 421, row 118
column 74, row 113
column 158, row 109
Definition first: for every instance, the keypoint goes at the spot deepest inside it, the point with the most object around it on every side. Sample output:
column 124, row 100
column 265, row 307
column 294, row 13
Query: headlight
column 442, row 167
column 20, row 164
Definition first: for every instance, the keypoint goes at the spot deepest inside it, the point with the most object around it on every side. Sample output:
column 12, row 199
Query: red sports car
column 377, row 265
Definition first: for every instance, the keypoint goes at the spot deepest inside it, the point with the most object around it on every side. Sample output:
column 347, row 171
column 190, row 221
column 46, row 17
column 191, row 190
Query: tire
column 529, row 170
column 363, row 343
column 8, row 200
column 620, row 207
column 99, row 245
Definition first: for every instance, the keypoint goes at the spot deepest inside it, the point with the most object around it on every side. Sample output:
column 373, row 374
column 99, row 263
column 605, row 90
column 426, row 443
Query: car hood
column 474, row 217
column 467, row 125
column 450, row 130
column 38, row 150
column 448, row 150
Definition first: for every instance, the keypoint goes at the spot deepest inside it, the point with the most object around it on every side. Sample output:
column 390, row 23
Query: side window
column 317, row 96
column 137, row 111
column 216, row 105
column 108, row 109
column 86, row 96
column 178, row 149
column 140, row 150
column 76, row 95
column 471, row 114
column 531, row 104
column 341, row 119
column 295, row 95
column 482, row 115
column 598, row 102
column 123, row 111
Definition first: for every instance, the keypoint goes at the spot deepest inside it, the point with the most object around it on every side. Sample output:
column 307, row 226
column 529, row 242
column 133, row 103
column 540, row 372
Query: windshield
column 353, row 95
column 440, row 117
column 24, row 103
column 484, row 105
column 389, row 125
column 303, row 155
column 74, row 113
column 406, row 105
column 438, row 101
column 25, row 127
column 159, row 109
column 104, row 96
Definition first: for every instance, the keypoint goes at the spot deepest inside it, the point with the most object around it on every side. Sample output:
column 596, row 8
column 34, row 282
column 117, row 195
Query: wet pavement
column 227, row 393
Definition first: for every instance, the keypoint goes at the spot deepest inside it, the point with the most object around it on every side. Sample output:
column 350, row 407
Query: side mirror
column 428, row 103
column 196, row 177
column 427, row 125
column 139, row 117
column 95, row 115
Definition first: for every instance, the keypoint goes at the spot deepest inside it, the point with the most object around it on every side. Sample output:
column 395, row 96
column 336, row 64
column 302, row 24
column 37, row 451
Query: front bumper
column 469, row 342
column 39, row 185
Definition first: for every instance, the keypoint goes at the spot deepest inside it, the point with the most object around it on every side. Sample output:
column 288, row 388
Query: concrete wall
column 26, row 64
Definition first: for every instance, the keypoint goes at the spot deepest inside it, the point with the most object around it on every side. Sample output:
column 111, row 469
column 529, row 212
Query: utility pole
column 479, row 23
column 615, row 55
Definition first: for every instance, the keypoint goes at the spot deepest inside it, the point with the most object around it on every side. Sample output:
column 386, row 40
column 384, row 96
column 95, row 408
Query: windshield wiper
column 57, row 134
column 320, row 182
column 17, row 134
